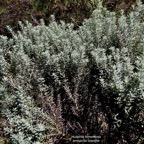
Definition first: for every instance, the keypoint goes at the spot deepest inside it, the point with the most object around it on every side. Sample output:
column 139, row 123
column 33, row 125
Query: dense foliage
column 12, row 11
column 57, row 82
column 74, row 11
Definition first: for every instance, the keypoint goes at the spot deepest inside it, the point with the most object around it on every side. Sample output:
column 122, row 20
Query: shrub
column 86, row 82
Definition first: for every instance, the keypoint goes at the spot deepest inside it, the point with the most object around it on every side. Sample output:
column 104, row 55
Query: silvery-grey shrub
column 58, row 80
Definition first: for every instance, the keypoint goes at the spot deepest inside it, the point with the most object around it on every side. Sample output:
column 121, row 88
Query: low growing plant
column 57, row 82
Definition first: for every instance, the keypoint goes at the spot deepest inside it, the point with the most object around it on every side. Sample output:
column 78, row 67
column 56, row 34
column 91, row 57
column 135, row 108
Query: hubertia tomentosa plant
column 57, row 82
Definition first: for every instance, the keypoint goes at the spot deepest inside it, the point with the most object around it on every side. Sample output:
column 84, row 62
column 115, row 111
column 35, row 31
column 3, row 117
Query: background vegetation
column 74, row 11
column 33, row 10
